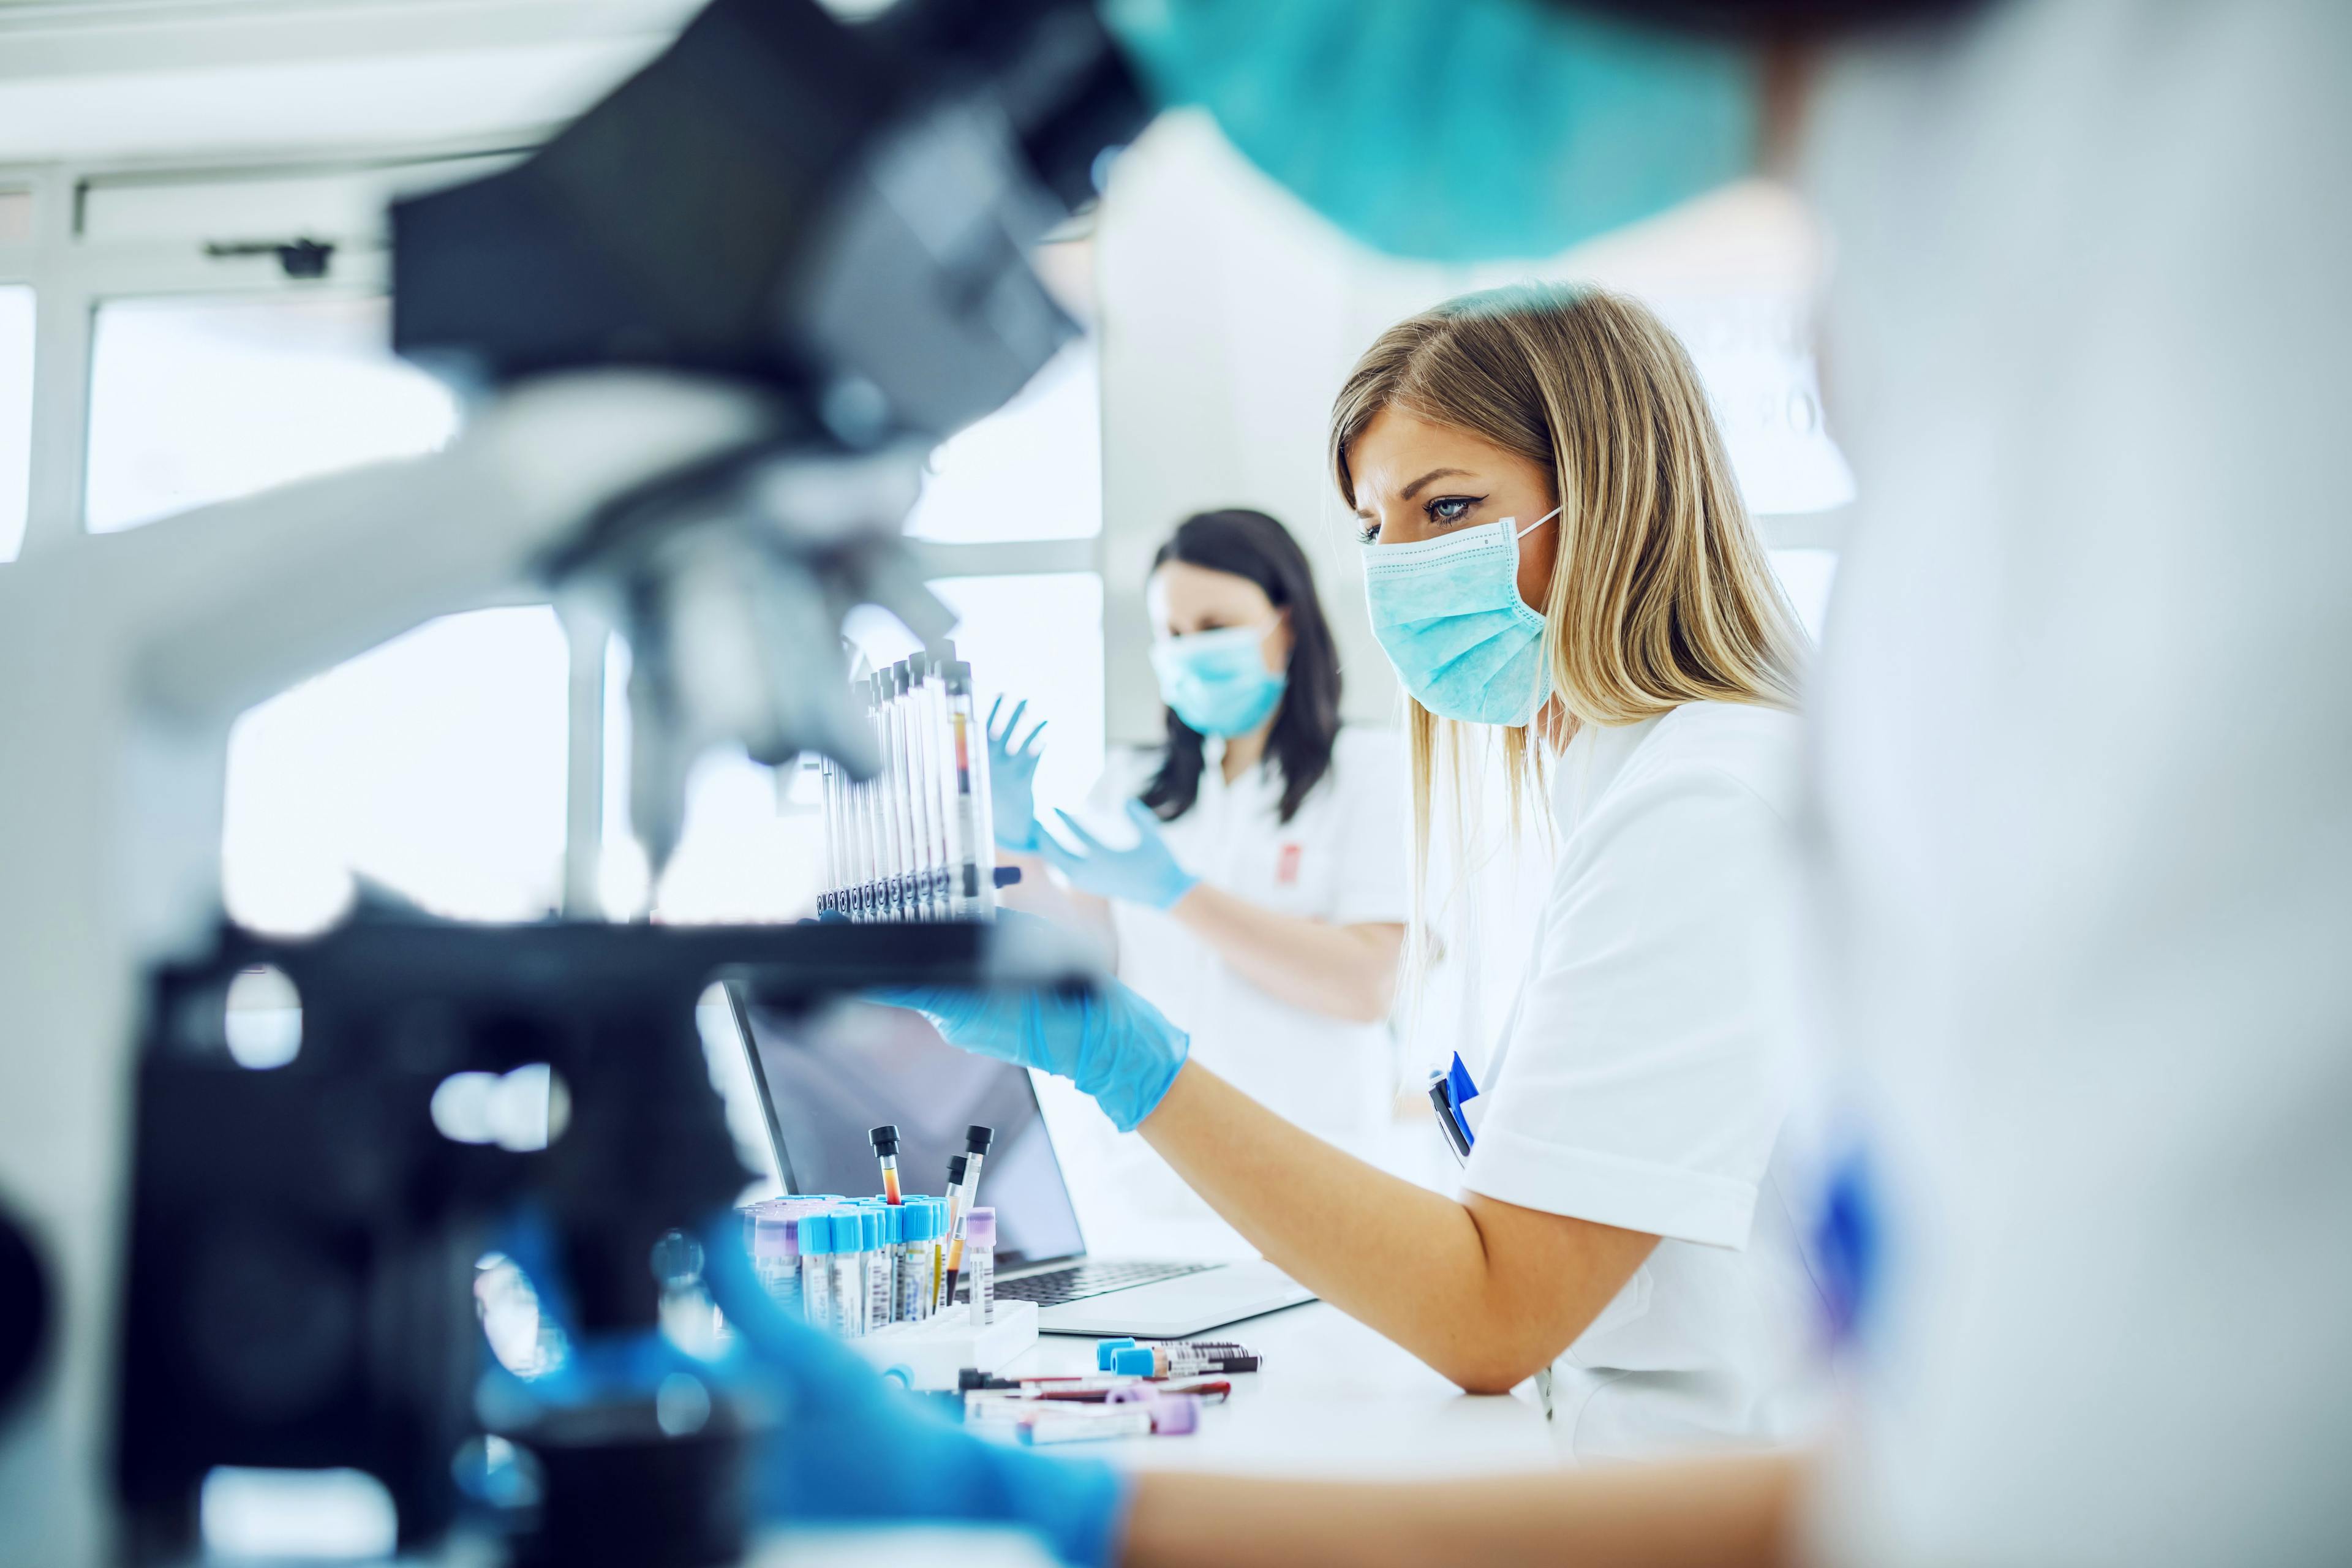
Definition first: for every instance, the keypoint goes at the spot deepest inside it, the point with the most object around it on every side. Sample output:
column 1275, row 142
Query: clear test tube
column 853, row 839
column 859, row 861
column 859, row 858
column 919, row 808
column 877, row 820
column 902, row 792
column 938, row 785
column 886, row 796
column 878, row 866
column 976, row 875
column 833, row 849
column 877, row 843
column 937, row 800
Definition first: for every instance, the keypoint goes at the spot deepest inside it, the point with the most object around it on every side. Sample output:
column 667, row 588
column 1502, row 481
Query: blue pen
column 1450, row 1093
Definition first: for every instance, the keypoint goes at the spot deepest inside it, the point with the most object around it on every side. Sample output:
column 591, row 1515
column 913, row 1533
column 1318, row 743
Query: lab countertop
column 1335, row 1401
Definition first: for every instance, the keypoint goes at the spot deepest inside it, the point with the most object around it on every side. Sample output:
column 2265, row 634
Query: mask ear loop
column 1515, row 551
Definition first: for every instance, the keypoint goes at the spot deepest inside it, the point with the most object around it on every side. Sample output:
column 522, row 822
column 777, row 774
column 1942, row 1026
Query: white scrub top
column 1342, row 859
column 2084, row 739
column 1644, row 1074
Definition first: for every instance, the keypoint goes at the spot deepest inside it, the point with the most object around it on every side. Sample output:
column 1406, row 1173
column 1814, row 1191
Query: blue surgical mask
column 1217, row 681
column 1448, row 613
column 1457, row 130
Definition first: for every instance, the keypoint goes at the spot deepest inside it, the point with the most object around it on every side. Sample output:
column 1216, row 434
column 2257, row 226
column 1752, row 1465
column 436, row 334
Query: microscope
column 710, row 331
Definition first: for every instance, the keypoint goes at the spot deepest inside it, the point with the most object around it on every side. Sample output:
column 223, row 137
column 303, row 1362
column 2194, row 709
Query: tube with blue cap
column 1183, row 1360
column 817, row 1298
column 882, row 1268
column 918, row 1224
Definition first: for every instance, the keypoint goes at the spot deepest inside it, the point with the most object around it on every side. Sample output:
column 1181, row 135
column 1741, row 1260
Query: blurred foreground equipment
column 713, row 329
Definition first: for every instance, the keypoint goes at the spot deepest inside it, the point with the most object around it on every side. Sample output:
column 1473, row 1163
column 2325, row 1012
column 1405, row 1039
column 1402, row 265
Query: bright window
column 16, row 413
column 1031, row 470
column 200, row 400
column 1034, row 638
column 433, row 765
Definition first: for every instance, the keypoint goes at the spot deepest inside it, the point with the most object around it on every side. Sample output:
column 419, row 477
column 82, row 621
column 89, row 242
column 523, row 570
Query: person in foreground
column 1624, row 1237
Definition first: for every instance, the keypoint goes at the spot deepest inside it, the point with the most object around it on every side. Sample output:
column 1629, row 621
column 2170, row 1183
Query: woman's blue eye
column 1450, row 509
column 1368, row 530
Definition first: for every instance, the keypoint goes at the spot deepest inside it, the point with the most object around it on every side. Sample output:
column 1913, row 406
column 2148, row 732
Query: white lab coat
column 2084, row 741
column 1644, row 1077
column 1343, row 857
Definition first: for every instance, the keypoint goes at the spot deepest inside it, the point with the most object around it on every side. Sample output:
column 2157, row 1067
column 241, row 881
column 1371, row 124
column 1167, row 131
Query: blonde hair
column 1661, row 592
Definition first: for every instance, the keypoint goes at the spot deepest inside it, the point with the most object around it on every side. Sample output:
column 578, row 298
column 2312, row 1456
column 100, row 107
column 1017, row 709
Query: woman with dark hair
column 1262, row 904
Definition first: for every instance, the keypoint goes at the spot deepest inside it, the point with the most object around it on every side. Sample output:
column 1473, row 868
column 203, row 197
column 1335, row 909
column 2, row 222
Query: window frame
column 72, row 273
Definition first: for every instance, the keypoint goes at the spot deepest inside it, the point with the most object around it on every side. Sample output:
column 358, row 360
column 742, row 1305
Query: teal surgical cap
column 1456, row 129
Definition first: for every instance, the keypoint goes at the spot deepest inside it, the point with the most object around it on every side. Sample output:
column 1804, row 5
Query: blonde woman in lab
column 1559, row 565
column 1262, row 906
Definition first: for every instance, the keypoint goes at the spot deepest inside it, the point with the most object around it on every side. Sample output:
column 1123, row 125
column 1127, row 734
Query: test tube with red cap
column 885, row 1139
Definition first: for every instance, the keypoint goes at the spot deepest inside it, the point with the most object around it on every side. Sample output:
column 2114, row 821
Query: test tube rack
column 928, row 1356
column 917, row 841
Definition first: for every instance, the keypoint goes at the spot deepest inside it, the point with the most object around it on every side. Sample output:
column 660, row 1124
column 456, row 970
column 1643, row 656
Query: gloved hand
column 1011, row 779
column 847, row 1446
column 1116, row 1045
column 1146, row 874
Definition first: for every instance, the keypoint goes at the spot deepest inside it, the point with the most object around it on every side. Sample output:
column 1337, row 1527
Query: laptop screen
column 826, row 1080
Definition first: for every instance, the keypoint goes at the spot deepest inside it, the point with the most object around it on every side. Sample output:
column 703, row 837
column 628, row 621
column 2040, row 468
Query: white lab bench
column 1336, row 1401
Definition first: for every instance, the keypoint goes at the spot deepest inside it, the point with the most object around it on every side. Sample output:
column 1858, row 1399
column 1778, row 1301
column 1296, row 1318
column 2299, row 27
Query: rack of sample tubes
column 915, row 842
column 852, row 1265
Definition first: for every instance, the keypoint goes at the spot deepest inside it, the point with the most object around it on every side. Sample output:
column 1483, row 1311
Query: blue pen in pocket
column 1450, row 1093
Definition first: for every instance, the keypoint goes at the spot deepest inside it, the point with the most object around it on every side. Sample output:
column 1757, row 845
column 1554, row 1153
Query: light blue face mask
column 1448, row 613
column 1217, row 681
column 1456, row 129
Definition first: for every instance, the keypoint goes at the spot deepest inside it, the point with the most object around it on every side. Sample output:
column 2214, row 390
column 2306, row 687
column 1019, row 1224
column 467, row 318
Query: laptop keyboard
column 1080, row 1280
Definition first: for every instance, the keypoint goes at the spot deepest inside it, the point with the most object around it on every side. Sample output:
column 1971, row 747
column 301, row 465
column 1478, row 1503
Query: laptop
column 822, row 1081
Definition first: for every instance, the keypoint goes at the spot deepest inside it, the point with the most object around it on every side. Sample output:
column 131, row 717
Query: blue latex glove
column 1116, row 1045
column 847, row 1446
column 1146, row 874
column 1013, row 779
